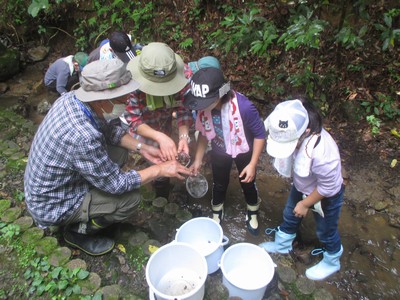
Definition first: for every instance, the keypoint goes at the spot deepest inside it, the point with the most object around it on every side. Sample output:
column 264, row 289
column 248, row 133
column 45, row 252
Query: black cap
column 122, row 46
column 207, row 86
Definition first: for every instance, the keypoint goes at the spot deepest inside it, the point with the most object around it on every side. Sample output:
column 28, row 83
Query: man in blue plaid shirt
column 73, row 177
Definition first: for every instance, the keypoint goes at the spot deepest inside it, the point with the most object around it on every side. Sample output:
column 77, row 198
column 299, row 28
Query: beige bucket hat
column 105, row 79
column 159, row 70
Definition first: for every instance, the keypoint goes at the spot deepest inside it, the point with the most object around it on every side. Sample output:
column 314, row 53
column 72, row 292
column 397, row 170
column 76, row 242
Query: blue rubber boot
column 326, row 267
column 282, row 244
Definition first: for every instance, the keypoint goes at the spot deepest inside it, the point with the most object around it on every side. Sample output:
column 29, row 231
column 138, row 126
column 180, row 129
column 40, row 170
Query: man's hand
column 152, row 154
column 167, row 147
column 173, row 169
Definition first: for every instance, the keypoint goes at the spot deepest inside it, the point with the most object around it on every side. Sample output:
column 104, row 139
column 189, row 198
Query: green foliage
column 237, row 32
column 304, row 78
column 382, row 105
column 137, row 256
column 374, row 124
column 270, row 87
column 19, row 196
column 303, row 31
column 16, row 9
column 389, row 34
column 196, row 11
column 36, row 6
column 266, row 36
column 188, row 43
column 349, row 40
column 57, row 282
column 42, row 278
column 9, row 232
column 119, row 13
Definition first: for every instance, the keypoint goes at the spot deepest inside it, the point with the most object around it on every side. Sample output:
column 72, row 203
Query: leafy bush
column 239, row 31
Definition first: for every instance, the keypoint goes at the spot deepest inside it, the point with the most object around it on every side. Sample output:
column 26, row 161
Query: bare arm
column 303, row 206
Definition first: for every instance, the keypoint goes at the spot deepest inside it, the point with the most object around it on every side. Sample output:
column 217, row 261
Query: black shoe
column 253, row 231
column 90, row 244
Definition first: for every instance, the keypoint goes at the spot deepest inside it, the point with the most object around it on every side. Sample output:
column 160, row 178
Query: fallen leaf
column 352, row 96
column 152, row 249
column 395, row 133
column 393, row 163
column 121, row 248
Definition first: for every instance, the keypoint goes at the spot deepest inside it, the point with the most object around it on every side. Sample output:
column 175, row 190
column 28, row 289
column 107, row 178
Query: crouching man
column 73, row 177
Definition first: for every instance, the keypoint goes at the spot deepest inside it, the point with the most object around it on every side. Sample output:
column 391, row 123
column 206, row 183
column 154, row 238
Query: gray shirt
column 59, row 71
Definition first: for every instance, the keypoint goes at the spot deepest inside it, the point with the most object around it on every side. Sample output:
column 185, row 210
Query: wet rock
column 305, row 285
column 171, row 209
column 183, row 215
column 3, row 87
column 91, row 284
column 147, row 193
column 113, row 267
column 150, row 245
column 9, row 62
column 160, row 202
column 395, row 192
column 286, row 274
column 138, row 238
column 159, row 230
column 43, row 107
column 24, row 223
column 322, row 294
column 111, row 292
column 214, row 289
column 11, row 214
column 60, row 256
column 32, row 235
column 394, row 221
column 46, row 245
column 38, row 53
column 76, row 263
column 4, row 205
column 380, row 205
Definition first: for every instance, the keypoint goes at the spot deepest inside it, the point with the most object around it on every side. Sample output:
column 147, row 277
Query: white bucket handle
column 225, row 241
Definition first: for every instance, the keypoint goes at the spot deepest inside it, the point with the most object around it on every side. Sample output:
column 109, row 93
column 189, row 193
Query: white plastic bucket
column 176, row 271
column 247, row 270
column 206, row 236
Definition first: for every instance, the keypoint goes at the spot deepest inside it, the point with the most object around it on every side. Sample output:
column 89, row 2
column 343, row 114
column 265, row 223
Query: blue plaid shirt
column 68, row 156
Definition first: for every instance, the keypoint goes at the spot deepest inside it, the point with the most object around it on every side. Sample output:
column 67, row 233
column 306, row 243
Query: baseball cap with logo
column 105, row 79
column 207, row 86
column 121, row 45
column 287, row 122
column 159, row 70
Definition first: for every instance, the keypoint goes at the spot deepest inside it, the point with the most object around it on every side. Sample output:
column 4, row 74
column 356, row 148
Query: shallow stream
column 371, row 257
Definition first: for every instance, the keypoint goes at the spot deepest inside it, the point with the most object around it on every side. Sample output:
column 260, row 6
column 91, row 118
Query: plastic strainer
column 197, row 186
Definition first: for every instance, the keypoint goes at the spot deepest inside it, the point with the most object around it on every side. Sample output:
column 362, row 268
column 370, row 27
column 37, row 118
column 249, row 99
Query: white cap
column 285, row 124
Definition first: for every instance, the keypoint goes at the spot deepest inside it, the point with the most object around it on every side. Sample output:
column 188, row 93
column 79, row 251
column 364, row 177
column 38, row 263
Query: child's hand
column 300, row 211
column 196, row 167
column 248, row 174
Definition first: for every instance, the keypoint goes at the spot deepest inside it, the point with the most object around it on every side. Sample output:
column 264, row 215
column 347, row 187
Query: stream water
column 371, row 257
